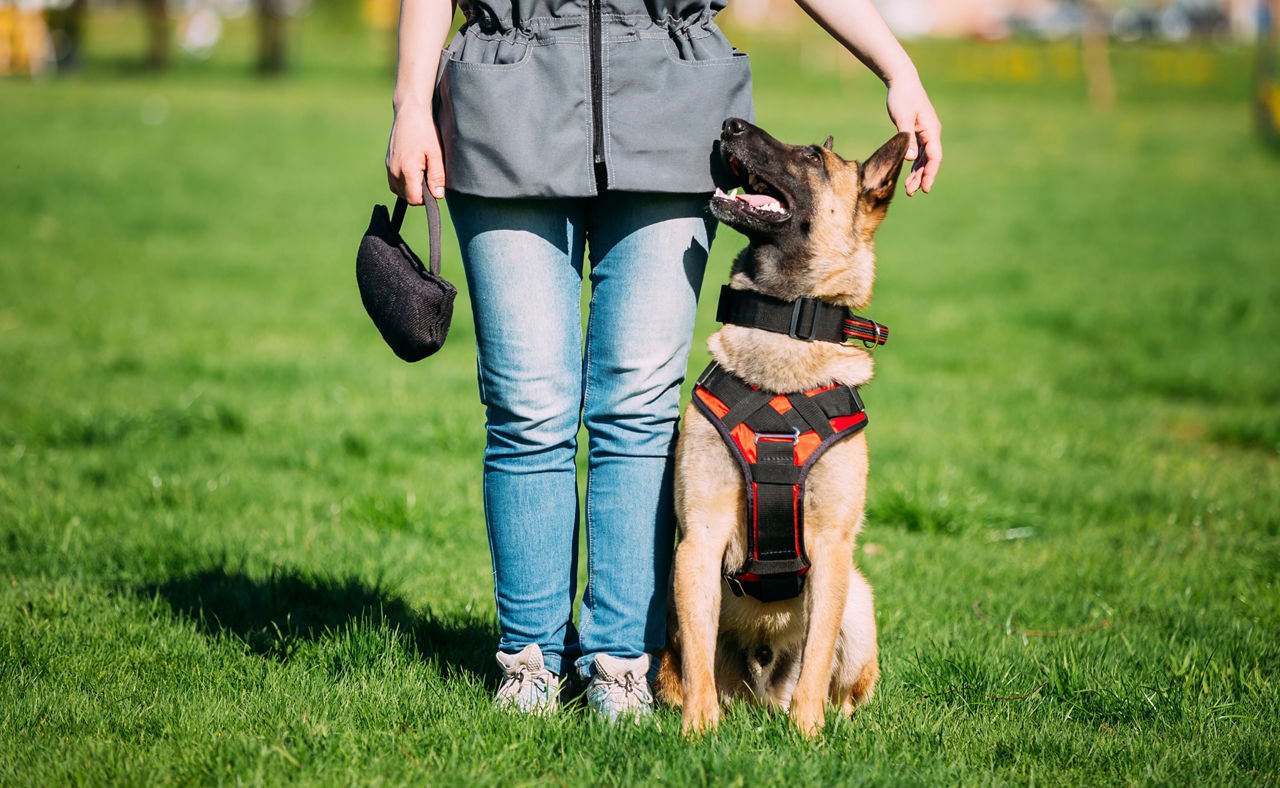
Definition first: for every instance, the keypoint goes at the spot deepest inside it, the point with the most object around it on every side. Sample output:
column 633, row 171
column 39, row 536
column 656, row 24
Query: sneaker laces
column 627, row 687
column 516, row 683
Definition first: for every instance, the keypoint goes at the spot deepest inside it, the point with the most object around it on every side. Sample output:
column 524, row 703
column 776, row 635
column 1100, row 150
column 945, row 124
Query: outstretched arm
column 414, row 148
column 859, row 28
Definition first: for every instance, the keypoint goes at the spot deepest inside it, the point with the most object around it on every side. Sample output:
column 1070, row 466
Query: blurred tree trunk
column 1095, row 55
column 157, row 12
column 270, row 36
column 67, row 27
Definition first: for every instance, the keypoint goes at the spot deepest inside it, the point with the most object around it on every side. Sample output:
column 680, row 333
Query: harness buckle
column 795, row 318
column 793, row 436
column 735, row 585
column 879, row 332
column 872, row 344
column 711, row 369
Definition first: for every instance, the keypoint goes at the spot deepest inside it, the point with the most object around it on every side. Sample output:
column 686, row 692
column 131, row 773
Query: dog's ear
column 880, row 172
column 830, row 141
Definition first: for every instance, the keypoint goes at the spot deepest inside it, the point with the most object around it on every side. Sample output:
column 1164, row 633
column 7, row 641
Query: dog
column 809, row 216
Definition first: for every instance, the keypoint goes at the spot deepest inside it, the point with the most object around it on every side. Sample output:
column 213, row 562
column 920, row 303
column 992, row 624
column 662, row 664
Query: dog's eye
column 812, row 154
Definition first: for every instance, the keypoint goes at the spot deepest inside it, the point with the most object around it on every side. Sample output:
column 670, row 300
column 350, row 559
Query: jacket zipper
column 597, row 84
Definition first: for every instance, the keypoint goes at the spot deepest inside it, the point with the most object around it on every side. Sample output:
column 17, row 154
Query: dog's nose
column 733, row 127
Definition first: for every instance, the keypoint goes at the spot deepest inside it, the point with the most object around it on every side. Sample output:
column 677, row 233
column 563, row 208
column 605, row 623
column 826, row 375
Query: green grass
column 241, row 543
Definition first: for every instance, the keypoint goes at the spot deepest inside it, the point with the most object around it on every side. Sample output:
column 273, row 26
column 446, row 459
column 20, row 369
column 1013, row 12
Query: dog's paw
column 698, row 721
column 809, row 718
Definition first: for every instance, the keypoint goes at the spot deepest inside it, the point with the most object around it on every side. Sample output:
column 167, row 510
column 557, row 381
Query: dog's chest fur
column 780, row 363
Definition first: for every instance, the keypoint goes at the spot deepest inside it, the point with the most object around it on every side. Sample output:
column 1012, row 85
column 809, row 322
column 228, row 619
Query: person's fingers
column 933, row 158
column 435, row 172
column 930, row 174
column 913, row 180
column 393, row 182
column 399, row 181
column 414, row 163
column 413, row 190
column 913, row 150
column 410, row 183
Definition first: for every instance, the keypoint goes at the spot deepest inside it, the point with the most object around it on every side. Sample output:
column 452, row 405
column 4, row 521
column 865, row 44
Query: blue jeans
column 540, row 378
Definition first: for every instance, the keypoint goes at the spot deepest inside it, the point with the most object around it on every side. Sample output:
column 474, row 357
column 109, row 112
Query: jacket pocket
column 517, row 129
column 474, row 49
column 665, row 113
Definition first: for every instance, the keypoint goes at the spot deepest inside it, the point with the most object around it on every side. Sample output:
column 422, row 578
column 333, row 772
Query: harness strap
column 748, row 405
column 775, row 446
column 812, row 414
column 805, row 318
column 775, row 476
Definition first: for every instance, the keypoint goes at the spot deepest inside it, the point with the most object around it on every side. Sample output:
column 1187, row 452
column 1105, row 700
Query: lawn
column 240, row 542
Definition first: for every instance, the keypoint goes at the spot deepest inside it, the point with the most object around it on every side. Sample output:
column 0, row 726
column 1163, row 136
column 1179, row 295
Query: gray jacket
column 533, row 94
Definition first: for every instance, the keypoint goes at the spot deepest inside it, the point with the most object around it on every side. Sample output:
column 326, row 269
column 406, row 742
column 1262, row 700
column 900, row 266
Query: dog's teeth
column 734, row 193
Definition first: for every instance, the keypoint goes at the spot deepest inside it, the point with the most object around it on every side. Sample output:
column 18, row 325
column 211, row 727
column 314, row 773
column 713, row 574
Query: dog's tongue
column 754, row 200
column 760, row 200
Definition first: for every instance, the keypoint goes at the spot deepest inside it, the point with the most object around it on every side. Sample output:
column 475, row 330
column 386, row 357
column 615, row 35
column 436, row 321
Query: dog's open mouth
column 758, row 199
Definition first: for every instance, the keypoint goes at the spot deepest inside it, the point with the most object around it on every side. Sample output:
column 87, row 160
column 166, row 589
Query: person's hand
column 911, row 111
column 414, row 148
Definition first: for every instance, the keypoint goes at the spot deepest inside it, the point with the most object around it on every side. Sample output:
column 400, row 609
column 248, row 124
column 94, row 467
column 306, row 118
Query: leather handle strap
column 433, row 227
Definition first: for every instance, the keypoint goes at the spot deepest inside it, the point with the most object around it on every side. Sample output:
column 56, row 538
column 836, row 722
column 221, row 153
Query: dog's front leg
column 828, row 587
column 697, row 588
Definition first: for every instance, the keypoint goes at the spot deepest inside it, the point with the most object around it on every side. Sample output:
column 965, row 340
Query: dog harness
column 777, row 437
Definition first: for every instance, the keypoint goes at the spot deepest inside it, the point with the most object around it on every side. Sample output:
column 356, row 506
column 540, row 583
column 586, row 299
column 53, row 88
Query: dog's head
column 810, row 215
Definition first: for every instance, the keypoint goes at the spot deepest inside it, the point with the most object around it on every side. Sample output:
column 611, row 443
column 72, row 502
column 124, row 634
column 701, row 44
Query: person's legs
column 523, row 260
column 648, row 254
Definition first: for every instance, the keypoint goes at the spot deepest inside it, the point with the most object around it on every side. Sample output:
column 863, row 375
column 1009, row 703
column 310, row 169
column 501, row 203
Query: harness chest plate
column 776, row 438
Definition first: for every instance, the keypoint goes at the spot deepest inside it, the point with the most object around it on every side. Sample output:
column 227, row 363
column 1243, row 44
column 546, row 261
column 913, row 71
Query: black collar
column 805, row 318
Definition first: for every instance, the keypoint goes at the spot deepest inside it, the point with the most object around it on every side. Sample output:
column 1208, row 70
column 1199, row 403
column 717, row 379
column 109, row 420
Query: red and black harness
column 776, row 438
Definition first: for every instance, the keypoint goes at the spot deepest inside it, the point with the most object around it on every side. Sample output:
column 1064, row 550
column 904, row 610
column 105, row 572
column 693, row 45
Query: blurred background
column 42, row 37
column 48, row 35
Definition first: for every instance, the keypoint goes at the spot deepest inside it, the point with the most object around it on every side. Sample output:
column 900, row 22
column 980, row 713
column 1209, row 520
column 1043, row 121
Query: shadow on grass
column 274, row 615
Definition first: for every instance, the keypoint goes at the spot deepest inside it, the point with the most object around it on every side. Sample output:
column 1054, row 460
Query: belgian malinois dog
column 809, row 215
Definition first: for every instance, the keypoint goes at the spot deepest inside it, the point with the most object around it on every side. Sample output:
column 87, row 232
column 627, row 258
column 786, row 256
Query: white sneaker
column 620, row 687
column 527, row 686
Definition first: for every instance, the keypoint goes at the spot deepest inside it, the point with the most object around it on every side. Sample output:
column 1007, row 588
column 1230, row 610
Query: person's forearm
column 424, row 24
column 857, row 25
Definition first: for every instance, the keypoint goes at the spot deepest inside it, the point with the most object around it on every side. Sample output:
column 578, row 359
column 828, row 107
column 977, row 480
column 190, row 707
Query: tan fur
column 821, row 646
